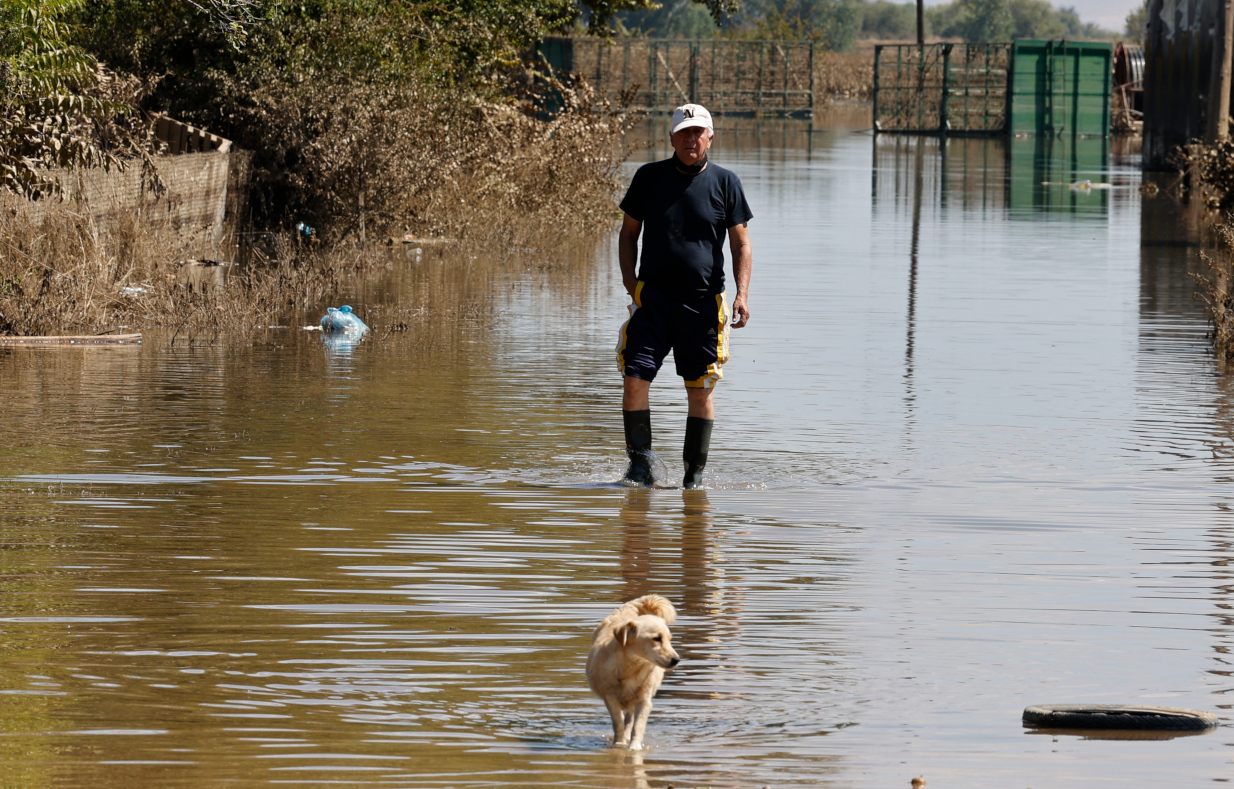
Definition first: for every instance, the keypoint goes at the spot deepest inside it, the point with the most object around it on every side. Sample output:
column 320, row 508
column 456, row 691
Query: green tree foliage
column 832, row 23
column 59, row 108
column 1137, row 23
column 671, row 19
column 980, row 20
column 883, row 20
column 1001, row 20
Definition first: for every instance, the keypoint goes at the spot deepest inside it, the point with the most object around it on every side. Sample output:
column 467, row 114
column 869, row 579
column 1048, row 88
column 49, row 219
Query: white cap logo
column 689, row 115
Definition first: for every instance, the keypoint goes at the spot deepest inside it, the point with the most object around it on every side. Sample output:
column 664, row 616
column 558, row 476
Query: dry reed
column 487, row 177
column 847, row 76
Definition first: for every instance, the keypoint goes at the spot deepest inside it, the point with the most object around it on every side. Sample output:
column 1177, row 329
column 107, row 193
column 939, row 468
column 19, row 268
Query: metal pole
column 694, row 73
column 1219, row 94
column 812, row 104
column 786, row 73
column 625, row 66
column 942, row 103
column 762, row 59
column 920, row 22
column 878, row 54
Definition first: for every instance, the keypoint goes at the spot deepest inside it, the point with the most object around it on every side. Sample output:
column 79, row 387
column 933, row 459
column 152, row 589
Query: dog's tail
column 655, row 605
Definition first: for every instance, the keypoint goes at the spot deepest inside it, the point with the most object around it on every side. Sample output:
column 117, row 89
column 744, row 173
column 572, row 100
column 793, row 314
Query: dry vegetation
column 487, row 177
column 439, row 163
column 1206, row 174
column 67, row 273
column 846, row 75
column 1216, row 292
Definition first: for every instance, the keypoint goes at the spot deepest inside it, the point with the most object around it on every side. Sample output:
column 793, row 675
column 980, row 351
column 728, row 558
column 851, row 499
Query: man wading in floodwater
column 687, row 206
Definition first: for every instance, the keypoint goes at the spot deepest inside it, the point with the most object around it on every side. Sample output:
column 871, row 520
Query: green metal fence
column 1061, row 87
column 941, row 88
column 728, row 77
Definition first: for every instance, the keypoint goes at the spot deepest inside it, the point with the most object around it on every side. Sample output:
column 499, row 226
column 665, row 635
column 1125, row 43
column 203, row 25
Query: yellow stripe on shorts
column 715, row 370
column 621, row 336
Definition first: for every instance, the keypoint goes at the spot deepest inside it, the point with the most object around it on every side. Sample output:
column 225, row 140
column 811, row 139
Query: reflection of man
column 689, row 582
column 687, row 207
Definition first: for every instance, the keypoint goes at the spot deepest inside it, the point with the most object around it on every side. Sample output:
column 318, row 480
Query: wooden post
column 361, row 204
column 1219, row 82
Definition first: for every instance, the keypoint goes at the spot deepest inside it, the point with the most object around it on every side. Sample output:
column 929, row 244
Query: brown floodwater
column 973, row 453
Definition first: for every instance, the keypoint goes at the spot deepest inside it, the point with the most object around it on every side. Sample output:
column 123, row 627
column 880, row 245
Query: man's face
column 691, row 144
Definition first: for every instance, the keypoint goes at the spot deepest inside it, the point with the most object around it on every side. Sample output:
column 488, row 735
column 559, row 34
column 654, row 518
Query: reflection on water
column 972, row 454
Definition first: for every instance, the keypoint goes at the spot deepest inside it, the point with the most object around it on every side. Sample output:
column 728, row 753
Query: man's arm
column 743, row 261
column 627, row 252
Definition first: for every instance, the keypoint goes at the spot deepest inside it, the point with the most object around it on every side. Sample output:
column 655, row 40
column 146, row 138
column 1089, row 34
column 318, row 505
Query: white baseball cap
column 688, row 115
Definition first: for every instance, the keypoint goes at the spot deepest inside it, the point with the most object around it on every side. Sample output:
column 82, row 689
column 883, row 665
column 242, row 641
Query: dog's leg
column 621, row 732
column 639, row 725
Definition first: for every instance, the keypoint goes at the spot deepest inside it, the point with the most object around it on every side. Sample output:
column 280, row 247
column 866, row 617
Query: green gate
column 1061, row 88
column 1036, row 88
column 941, row 88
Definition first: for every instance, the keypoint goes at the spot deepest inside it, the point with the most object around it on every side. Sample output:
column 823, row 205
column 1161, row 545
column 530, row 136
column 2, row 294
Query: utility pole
column 1219, row 98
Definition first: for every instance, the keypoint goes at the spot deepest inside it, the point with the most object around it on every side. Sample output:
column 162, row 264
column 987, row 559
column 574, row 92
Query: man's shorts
column 695, row 330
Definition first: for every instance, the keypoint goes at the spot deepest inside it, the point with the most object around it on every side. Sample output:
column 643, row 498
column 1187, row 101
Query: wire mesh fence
column 941, row 88
column 728, row 77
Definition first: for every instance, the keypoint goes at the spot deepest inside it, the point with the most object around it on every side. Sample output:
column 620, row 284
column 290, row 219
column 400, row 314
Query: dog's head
column 648, row 637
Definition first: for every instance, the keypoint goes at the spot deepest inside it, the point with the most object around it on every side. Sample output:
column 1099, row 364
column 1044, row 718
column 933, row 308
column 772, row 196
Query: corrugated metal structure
column 941, row 88
column 1060, row 88
column 729, row 77
column 1038, row 88
column 1178, row 67
column 1128, row 87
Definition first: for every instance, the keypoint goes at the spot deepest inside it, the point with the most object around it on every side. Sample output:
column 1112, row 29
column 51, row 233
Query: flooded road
column 972, row 453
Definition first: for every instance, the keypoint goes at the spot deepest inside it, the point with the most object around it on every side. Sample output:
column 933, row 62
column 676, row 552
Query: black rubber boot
column 638, row 447
column 698, row 438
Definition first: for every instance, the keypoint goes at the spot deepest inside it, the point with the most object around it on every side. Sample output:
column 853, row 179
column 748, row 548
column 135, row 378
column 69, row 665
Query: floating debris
column 90, row 339
column 343, row 321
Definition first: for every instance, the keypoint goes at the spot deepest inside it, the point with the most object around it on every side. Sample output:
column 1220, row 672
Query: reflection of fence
column 728, row 77
column 941, row 88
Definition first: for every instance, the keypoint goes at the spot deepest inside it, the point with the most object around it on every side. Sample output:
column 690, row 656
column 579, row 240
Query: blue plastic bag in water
column 342, row 321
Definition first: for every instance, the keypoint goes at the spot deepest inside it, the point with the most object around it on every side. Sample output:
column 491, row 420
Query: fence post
column 762, row 59
column 694, row 72
column 878, row 56
column 600, row 68
column 942, row 104
column 811, row 79
column 652, row 98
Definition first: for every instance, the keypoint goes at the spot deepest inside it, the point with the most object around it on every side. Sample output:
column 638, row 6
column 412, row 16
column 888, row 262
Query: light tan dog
column 629, row 652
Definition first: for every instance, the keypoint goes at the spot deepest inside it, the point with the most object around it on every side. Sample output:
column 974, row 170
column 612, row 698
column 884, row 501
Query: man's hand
column 743, row 260
column 741, row 313
column 627, row 251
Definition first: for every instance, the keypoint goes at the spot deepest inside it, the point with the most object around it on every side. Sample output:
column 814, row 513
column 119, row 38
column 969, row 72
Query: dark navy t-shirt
column 685, row 223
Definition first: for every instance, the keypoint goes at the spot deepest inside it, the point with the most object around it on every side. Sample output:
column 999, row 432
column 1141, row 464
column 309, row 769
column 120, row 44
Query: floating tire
column 1118, row 716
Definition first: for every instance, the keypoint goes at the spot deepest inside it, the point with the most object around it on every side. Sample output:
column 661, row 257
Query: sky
column 1111, row 14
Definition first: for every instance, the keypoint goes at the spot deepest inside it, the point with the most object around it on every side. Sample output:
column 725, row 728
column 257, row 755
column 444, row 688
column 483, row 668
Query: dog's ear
column 628, row 631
